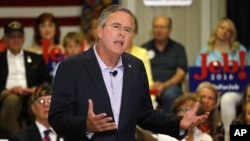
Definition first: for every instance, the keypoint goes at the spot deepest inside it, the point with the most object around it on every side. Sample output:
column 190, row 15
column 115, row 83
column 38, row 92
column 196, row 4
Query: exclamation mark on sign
column 242, row 74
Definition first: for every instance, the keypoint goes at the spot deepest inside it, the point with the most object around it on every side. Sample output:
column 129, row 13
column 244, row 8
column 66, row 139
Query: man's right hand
column 17, row 90
column 100, row 122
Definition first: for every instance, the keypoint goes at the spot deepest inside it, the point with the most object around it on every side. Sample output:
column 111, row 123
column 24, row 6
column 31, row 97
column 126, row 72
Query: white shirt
column 41, row 129
column 17, row 72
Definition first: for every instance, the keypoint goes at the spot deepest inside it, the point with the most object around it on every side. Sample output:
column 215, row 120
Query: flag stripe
column 63, row 21
column 27, row 12
column 39, row 3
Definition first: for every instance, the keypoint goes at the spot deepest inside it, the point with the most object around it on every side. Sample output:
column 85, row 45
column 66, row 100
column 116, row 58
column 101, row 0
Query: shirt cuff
column 89, row 135
column 182, row 132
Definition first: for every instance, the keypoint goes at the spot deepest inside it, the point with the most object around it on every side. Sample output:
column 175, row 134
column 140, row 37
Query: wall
column 191, row 25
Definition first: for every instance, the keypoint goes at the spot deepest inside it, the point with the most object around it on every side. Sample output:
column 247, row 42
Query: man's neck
column 13, row 52
column 44, row 123
column 161, row 44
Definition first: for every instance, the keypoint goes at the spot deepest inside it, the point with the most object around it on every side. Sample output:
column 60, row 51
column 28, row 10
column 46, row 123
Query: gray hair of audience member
column 209, row 86
column 112, row 9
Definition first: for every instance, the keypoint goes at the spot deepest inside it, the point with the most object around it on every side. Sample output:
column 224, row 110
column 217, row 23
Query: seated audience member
column 141, row 53
column 244, row 116
column 168, row 62
column 180, row 107
column 47, row 40
column 209, row 96
column 72, row 43
column 20, row 72
column 40, row 107
column 223, row 40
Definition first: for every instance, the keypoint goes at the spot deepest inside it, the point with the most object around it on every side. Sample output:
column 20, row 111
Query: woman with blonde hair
column 223, row 39
column 224, row 48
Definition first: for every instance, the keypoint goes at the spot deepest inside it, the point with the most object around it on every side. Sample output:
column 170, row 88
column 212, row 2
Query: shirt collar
column 41, row 128
column 9, row 54
column 101, row 63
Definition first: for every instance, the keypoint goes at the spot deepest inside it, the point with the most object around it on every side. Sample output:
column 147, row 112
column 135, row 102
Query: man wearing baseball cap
column 8, row 28
column 14, row 25
column 20, row 72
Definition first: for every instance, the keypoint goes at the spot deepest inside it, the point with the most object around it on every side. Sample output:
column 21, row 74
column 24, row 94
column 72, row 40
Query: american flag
column 68, row 12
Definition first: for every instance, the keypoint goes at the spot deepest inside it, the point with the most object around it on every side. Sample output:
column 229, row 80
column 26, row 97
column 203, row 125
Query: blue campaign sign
column 224, row 78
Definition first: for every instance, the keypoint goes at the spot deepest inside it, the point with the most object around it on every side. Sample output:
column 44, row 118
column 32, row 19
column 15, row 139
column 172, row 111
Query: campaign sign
column 239, row 132
column 228, row 75
column 224, row 79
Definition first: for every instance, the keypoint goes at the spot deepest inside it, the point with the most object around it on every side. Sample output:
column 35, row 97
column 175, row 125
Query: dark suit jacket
column 30, row 133
column 36, row 70
column 79, row 78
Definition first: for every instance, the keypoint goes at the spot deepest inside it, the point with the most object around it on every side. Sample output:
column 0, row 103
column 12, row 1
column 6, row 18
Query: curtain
column 238, row 12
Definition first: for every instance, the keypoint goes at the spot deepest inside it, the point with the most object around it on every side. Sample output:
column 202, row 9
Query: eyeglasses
column 202, row 98
column 43, row 101
column 184, row 110
column 118, row 27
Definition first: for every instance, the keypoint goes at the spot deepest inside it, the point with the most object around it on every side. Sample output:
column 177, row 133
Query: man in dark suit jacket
column 103, row 93
column 20, row 73
column 40, row 107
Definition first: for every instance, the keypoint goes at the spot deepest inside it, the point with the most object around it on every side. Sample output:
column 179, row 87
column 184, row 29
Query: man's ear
column 33, row 108
column 99, row 31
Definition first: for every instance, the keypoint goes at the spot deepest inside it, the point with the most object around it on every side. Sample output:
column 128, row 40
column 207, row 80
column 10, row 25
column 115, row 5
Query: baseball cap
column 43, row 90
column 13, row 25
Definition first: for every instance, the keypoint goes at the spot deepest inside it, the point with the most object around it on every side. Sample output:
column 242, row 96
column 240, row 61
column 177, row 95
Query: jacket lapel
column 95, row 73
column 35, row 133
column 126, row 90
